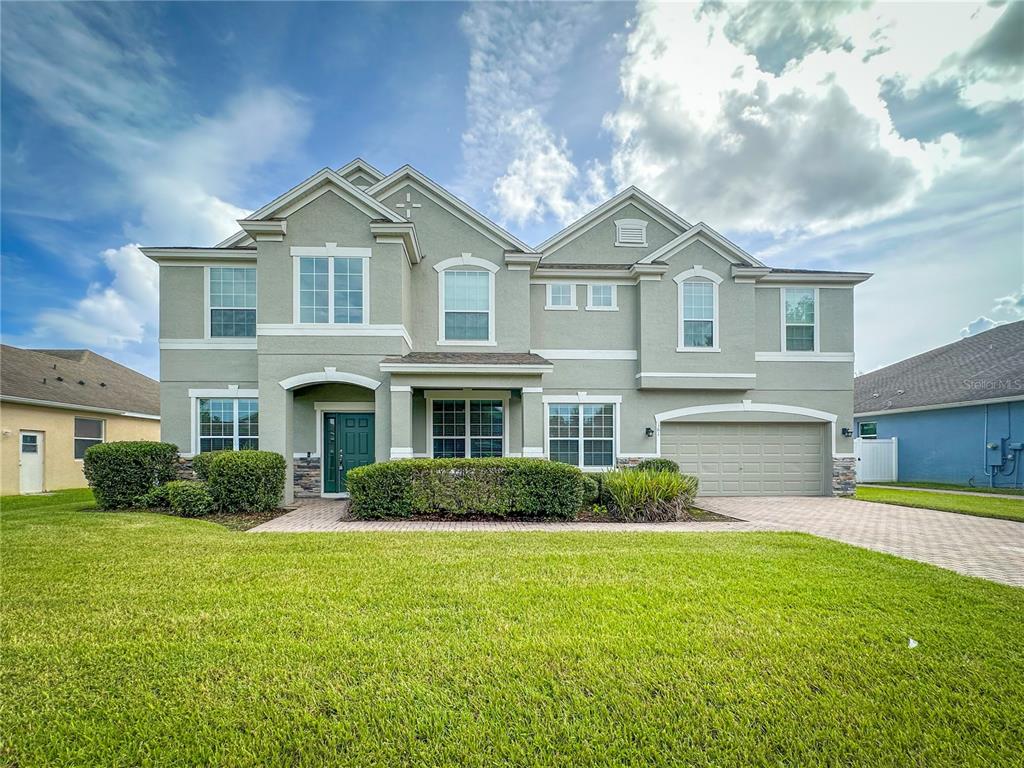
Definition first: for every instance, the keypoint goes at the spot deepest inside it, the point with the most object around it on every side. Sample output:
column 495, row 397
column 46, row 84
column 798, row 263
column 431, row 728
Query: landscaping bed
column 133, row 639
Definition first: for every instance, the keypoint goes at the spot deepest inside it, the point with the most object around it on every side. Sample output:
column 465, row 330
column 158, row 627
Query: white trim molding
column 562, row 307
column 232, row 390
column 533, row 390
column 582, row 397
column 333, row 329
column 698, row 272
column 587, row 354
column 466, row 260
column 613, row 307
column 670, row 375
column 464, row 368
column 223, row 342
column 401, row 453
column 745, row 406
column 328, row 374
column 803, row 357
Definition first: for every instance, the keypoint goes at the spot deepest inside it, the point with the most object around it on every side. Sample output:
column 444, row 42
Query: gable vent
column 631, row 232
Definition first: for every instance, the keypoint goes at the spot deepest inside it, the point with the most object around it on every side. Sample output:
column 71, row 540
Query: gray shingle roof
column 595, row 265
column 467, row 358
column 76, row 377
column 985, row 366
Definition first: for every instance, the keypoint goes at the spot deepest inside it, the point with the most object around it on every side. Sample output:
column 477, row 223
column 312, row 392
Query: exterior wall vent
column 631, row 233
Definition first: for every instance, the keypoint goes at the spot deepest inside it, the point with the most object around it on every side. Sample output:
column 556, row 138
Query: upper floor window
column 698, row 310
column 229, row 424
column 88, row 432
column 232, row 301
column 601, row 297
column 631, row 232
column 465, row 300
column 800, row 333
column 332, row 289
column 561, row 296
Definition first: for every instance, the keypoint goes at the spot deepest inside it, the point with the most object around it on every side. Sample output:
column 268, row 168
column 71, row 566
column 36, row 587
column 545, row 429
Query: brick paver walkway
column 976, row 546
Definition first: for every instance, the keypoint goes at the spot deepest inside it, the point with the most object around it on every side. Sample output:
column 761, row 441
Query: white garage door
column 771, row 459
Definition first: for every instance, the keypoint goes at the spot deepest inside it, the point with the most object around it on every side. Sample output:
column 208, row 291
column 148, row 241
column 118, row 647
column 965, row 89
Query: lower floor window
column 88, row 432
column 583, row 435
column 869, row 429
column 473, row 428
column 229, row 424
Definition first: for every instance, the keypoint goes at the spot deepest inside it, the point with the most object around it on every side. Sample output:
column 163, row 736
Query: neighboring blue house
column 957, row 411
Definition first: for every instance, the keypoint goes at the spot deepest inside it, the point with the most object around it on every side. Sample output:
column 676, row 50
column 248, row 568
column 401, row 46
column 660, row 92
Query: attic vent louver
column 631, row 232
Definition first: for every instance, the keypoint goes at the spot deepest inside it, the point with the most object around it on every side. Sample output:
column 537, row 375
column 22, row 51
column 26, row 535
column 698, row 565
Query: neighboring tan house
column 957, row 412
column 361, row 317
column 55, row 403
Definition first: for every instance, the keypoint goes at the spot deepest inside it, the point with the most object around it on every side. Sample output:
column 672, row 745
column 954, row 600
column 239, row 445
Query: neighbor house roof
column 985, row 367
column 75, row 377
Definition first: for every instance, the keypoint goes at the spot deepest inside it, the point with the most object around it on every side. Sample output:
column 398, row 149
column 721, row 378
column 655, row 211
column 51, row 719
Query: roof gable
column 637, row 197
column 323, row 179
column 359, row 167
column 986, row 366
column 438, row 194
column 701, row 231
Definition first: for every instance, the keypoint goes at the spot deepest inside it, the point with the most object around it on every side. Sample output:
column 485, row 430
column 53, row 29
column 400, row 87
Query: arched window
column 465, row 300
column 698, row 310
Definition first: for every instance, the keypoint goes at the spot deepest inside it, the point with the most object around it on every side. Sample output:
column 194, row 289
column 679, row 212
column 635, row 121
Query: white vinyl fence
column 876, row 460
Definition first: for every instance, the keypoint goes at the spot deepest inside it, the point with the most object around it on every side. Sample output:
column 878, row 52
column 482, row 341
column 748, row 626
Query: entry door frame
column 40, row 452
column 322, row 408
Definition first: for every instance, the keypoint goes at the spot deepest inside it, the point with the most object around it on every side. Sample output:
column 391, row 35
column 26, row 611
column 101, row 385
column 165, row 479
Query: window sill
column 631, row 245
column 602, row 309
column 573, row 308
column 444, row 343
column 698, row 349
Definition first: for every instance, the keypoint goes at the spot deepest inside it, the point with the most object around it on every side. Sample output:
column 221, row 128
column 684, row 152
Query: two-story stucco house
column 361, row 317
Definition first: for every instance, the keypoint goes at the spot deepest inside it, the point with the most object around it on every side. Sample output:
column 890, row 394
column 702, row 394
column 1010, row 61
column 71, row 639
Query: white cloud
column 89, row 70
column 1007, row 309
column 516, row 53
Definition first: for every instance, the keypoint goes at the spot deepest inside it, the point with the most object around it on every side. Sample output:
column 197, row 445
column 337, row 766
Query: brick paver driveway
column 976, row 546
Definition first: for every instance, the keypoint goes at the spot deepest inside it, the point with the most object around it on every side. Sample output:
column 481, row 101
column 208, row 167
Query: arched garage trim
column 328, row 375
column 748, row 407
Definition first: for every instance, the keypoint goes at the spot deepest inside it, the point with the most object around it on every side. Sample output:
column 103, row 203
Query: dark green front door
column 348, row 443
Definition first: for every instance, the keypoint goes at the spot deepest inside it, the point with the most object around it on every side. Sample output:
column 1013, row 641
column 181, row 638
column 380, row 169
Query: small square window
column 561, row 296
column 88, row 432
column 868, row 430
column 601, row 297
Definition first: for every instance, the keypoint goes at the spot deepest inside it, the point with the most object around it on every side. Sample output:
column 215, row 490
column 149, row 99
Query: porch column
column 533, row 423
column 401, row 422
column 276, row 430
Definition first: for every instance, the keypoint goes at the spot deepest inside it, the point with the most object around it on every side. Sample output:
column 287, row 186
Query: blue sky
column 881, row 138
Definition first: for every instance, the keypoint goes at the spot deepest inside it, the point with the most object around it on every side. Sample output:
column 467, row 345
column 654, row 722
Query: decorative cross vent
column 408, row 205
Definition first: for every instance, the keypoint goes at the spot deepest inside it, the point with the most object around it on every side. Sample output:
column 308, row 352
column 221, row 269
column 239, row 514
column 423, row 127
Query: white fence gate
column 876, row 460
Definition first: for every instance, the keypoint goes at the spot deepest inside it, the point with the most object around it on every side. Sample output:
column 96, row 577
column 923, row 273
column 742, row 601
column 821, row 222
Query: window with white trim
column 228, row 424
column 467, row 428
column 88, row 432
column 800, row 331
column 332, row 289
column 697, row 297
column 601, row 296
column 561, row 296
column 631, row 233
column 868, row 430
column 232, row 302
column 466, row 296
column 582, row 434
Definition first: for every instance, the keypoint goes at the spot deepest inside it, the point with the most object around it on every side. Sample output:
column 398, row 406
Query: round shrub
column 650, row 496
column 119, row 473
column 454, row 488
column 155, row 499
column 657, row 465
column 246, row 481
column 201, row 463
column 189, row 498
column 591, row 490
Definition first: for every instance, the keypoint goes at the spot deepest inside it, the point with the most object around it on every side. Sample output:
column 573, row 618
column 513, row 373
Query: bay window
column 228, row 424
column 582, row 434
column 800, row 333
column 462, row 428
column 232, row 302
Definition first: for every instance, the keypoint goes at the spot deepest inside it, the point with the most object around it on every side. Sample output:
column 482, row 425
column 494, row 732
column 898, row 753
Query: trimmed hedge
column 649, row 496
column 120, row 472
column 201, row 463
column 246, row 481
column 454, row 488
column 658, row 465
column 189, row 498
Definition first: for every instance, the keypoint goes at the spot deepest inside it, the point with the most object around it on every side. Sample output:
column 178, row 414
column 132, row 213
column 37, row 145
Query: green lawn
column 955, row 487
column 135, row 639
column 980, row 506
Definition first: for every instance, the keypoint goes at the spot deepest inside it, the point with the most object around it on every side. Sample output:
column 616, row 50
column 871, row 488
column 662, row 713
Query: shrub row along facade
column 361, row 317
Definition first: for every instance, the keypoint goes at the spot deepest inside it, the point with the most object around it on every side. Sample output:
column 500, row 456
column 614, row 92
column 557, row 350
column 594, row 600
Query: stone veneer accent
column 844, row 477
column 184, row 468
column 307, row 477
column 627, row 461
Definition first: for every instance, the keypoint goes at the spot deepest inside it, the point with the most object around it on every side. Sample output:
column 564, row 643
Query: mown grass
column 980, row 506
column 132, row 639
column 955, row 487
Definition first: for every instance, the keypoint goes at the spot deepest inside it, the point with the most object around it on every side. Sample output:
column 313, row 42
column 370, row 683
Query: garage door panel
column 749, row 458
